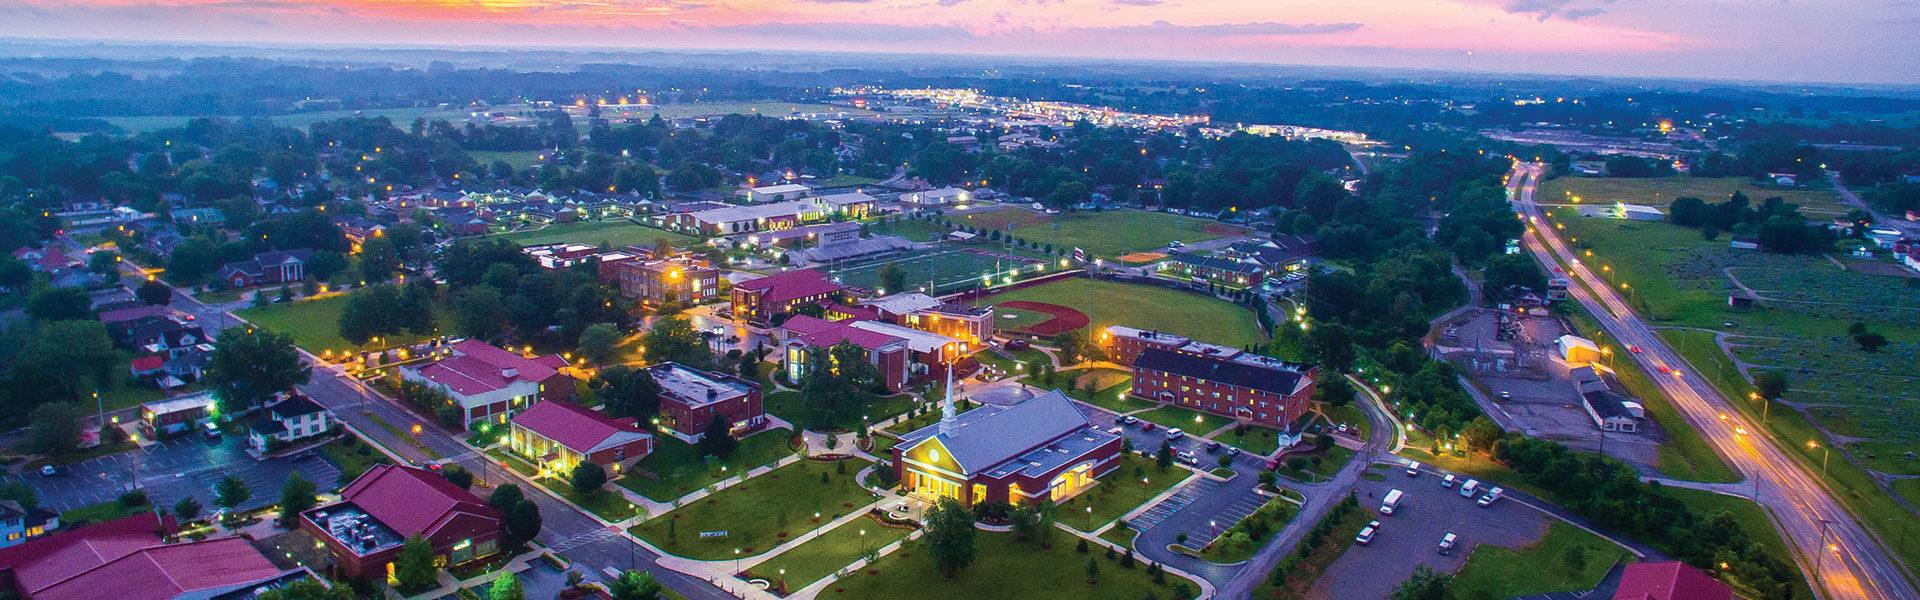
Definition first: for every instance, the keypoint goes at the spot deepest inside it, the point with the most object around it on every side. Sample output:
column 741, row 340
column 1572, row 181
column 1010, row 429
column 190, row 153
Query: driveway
column 187, row 465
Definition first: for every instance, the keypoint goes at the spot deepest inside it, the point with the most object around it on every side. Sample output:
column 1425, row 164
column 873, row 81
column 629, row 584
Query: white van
column 1392, row 502
column 1492, row 496
column 1467, row 489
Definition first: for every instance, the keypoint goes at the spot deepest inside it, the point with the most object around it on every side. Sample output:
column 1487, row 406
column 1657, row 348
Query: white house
column 291, row 420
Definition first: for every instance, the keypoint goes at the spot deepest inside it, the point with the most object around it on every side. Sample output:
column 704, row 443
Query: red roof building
column 556, row 436
column 1671, row 580
column 889, row 354
column 389, row 504
column 489, row 383
column 758, row 301
column 128, row 559
column 690, row 399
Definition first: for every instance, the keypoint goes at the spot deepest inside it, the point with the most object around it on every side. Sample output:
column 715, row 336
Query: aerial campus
column 606, row 300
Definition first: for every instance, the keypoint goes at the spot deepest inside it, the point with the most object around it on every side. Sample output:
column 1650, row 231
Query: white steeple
column 947, row 411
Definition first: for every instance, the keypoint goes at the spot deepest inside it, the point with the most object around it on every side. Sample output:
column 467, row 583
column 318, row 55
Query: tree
column 458, row 475
column 504, row 497
column 600, row 343
column 1093, row 568
column 154, row 292
column 1870, row 341
column 296, row 497
column 250, row 365
column 1481, row 433
column 230, row 493
column 1330, row 345
column 635, row 585
column 717, row 439
column 674, row 339
column 893, row 278
column 1508, row 270
column 507, row 587
column 1335, row 391
column 104, row 264
column 523, row 523
column 414, row 566
column 60, row 304
column 627, row 392
column 587, row 477
column 1027, row 520
column 1771, row 384
column 1164, row 458
column 309, row 589
column 54, row 428
column 479, row 312
column 1575, row 557
column 1424, row 584
column 950, row 536
column 187, row 509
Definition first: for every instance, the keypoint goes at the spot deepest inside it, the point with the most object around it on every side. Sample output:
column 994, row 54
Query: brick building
column 390, row 503
column 1249, row 388
column 1041, row 450
column 888, row 354
column 557, row 436
column 690, row 399
column 758, row 301
column 489, row 383
column 677, row 279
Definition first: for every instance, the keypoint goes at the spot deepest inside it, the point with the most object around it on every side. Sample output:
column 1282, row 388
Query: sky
column 1841, row 41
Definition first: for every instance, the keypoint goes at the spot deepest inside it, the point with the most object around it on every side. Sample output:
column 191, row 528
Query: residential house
column 388, row 504
column 290, row 420
column 558, row 436
column 19, row 524
column 171, row 416
column 690, row 399
column 1043, row 450
column 199, row 216
column 490, row 384
column 279, row 266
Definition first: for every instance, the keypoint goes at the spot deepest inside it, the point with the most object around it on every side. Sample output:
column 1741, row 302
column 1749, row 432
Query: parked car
column 1391, row 502
column 1189, row 458
column 1115, row 430
column 1467, row 489
column 1447, row 542
column 1506, row 396
column 1232, row 451
column 1129, row 419
column 1447, row 481
column 211, row 429
column 1366, row 533
column 1413, row 468
column 1146, row 425
column 1492, row 496
column 1175, row 433
column 48, row 471
column 1213, row 446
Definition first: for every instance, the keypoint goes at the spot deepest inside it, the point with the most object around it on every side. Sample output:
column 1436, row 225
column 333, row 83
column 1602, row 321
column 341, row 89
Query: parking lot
column 175, row 468
column 1410, row 537
column 1224, row 506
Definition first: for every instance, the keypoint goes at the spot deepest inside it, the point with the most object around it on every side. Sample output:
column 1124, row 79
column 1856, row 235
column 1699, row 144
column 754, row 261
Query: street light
column 1825, row 456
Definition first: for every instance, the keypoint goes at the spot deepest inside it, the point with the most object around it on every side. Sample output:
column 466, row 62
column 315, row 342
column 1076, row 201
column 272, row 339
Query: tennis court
column 952, row 269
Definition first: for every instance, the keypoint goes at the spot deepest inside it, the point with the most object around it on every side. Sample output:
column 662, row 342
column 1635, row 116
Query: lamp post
column 1825, row 456
column 1766, row 407
column 631, row 561
column 736, row 561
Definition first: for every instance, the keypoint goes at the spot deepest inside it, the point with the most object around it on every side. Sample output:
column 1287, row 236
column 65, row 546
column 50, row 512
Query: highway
column 1853, row 563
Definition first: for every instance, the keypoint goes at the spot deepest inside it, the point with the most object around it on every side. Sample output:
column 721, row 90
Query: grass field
column 1101, row 233
column 833, row 550
column 519, row 159
column 315, row 323
column 1131, row 484
column 1751, row 518
column 761, row 512
column 1194, row 422
column 1252, row 438
column 1238, row 543
column 918, row 230
column 616, row 233
column 788, row 405
column 1817, row 200
column 1005, row 567
column 677, row 469
column 1145, row 306
column 951, row 269
column 1495, row 572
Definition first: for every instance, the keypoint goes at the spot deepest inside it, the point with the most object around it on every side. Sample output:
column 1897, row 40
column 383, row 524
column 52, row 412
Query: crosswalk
column 583, row 539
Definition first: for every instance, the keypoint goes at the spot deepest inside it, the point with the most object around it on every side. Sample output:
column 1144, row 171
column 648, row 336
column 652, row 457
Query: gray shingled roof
column 985, row 437
column 1276, row 379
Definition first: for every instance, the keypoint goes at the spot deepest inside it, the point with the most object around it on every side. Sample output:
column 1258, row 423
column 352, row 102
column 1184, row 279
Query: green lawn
column 1099, row 233
column 1330, row 462
column 616, row 233
column 788, row 405
column 1113, row 303
column 819, row 557
column 98, row 513
column 1817, row 201
column 1194, row 422
column 519, row 465
column 518, row 159
column 1121, row 534
column 1351, row 414
column 315, row 323
column 1751, row 518
column 1239, row 542
column 353, row 459
column 675, row 468
column 1102, row 387
column 1005, row 567
column 1252, row 438
column 918, row 230
column 1131, row 484
column 606, row 502
column 761, row 512
column 1495, row 572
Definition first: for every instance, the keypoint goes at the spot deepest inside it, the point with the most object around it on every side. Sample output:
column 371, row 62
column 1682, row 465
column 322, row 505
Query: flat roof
column 691, row 386
column 173, row 405
column 354, row 529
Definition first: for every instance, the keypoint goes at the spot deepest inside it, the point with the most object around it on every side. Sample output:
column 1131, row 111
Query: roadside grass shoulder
column 1750, row 517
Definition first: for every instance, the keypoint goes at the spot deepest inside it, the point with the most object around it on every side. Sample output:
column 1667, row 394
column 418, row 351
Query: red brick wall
column 1279, row 412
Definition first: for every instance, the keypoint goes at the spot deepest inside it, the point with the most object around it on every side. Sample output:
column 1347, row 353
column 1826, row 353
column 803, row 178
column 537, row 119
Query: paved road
column 1898, row 222
column 1856, row 564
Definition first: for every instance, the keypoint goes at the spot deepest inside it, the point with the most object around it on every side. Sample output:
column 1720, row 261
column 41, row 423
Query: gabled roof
column 820, row 334
column 477, row 368
column 986, row 437
column 1274, row 379
column 161, row 572
column 1672, row 580
column 579, row 428
column 414, row 501
column 45, row 562
column 295, row 405
column 791, row 285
